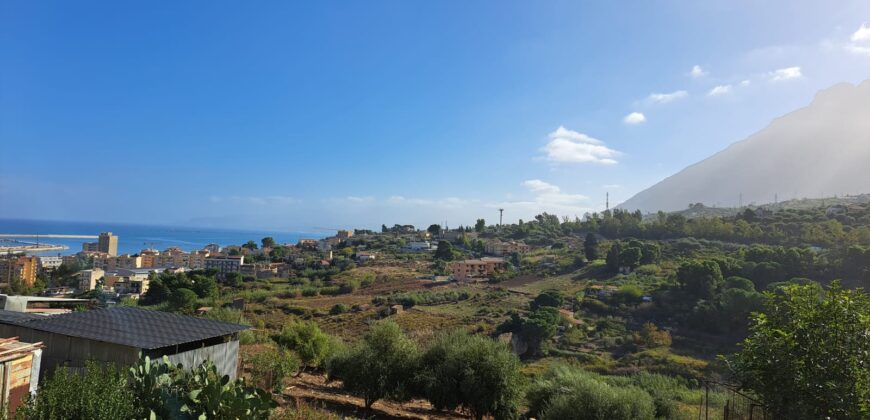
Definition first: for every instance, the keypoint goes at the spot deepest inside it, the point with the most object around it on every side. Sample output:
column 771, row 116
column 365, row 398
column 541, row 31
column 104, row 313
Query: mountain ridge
column 777, row 160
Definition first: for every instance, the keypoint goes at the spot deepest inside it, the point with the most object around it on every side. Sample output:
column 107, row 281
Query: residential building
column 500, row 248
column 149, row 257
column 365, row 256
column 417, row 246
column 225, row 264
column 344, row 234
column 39, row 304
column 21, row 269
column 50, row 263
column 212, row 248
column 109, row 263
column 307, row 243
column 468, row 270
column 88, row 278
column 123, row 335
column 196, row 259
column 108, row 243
column 90, row 247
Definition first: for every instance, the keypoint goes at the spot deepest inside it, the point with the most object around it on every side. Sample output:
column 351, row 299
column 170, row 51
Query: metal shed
column 122, row 335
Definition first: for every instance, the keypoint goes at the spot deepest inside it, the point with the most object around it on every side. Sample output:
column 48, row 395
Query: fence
column 737, row 405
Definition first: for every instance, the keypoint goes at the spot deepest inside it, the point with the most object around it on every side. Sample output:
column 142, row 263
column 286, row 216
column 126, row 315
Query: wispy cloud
column 569, row 146
column 273, row 200
column 663, row 98
column 720, row 90
column 536, row 185
column 697, row 71
column 788, row 73
column 634, row 118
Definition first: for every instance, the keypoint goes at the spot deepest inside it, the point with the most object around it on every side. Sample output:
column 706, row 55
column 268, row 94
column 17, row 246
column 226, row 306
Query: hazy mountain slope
column 817, row 151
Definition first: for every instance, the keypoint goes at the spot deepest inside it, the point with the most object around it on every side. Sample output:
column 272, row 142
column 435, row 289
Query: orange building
column 468, row 270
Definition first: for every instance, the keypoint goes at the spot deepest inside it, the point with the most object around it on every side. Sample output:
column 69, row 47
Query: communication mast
column 500, row 214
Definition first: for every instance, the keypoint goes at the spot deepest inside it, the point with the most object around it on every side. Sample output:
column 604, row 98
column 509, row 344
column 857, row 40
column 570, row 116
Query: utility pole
column 500, row 214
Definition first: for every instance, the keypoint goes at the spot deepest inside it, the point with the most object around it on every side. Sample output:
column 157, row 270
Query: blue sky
column 291, row 116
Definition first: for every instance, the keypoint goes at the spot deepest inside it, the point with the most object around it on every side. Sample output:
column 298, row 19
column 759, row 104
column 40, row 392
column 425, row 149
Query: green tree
column 613, row 257
column 381, row 365
column 551, row 298
column 807, row 354
column 480, row 225
column 305, row 338
column 444, row 251
column 268, row 242
column 233, row 279
column 590, row 247
column 184, row 301
column 630, row 257
column 434, row 230
column 157, row 293
column 251, row 245
column 701, row 279
column 204, row 287
column 475, row 373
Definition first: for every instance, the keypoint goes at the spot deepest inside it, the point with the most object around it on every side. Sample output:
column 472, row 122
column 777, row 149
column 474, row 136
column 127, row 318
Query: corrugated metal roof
column 128, row 326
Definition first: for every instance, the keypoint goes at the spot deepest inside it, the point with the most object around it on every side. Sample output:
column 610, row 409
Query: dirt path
column 314, row 390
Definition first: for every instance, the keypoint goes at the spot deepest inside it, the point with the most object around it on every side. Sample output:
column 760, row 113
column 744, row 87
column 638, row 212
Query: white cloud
column 787, row 73
column 697, row 71
column 356, row 199
column 720, row 90
column 634, row 118
column 536, row 185
column 663, row 98
column 568, row 146
column 546, row 198
column 862, row 34
column 745, row 83
column 611, row 186
column 857, row 49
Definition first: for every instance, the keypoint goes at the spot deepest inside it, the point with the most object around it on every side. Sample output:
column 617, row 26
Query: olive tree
column 381, row 365
column 474, row 373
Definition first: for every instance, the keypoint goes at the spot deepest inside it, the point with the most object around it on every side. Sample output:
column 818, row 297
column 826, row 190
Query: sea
column 132, row 238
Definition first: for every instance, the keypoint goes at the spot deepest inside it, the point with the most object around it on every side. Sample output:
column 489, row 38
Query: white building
column 50, row 263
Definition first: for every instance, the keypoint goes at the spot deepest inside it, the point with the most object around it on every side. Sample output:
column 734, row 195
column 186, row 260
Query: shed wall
column 225, row 356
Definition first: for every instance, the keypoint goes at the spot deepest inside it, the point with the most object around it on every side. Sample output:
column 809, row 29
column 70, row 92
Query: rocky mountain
column 817, row 151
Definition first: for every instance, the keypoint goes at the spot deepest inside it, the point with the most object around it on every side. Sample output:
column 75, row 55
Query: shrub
column 271, row 366
column 570, row 393
column 312, row 345
column 338, row 308
column 100, row 393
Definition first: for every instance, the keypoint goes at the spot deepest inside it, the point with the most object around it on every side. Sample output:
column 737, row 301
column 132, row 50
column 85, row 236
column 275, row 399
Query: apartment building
column 110, row 263
column 50, row 263
column 500, row 248
column 88, row 278
column 469, row 270
column 225, row 264
column 21, row 269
